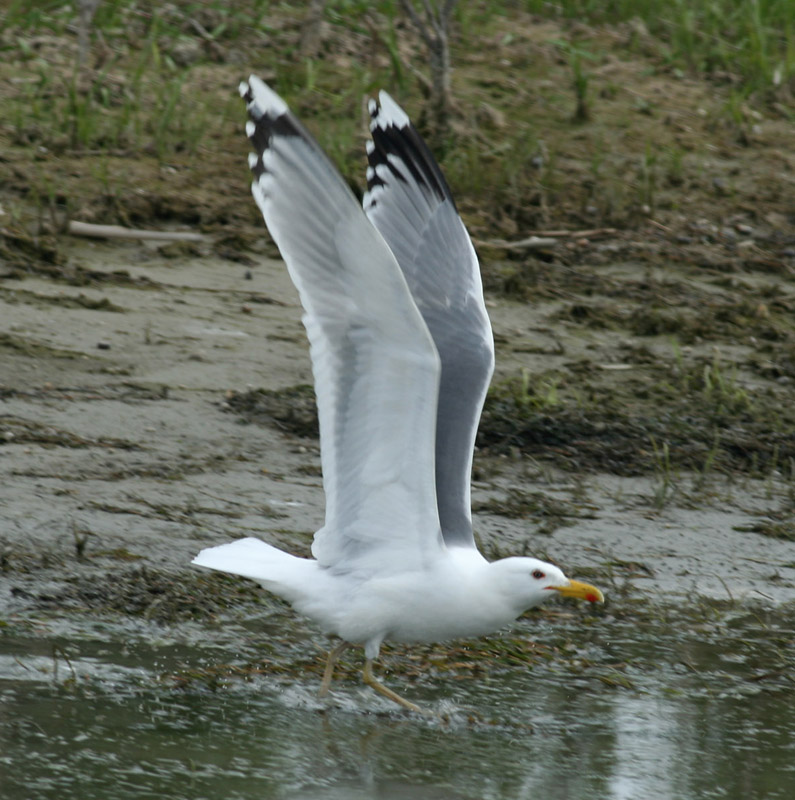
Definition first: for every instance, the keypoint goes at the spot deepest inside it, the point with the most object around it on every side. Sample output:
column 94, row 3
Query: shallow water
column 662, row 708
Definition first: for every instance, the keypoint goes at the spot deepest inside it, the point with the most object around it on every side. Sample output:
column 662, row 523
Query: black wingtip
column 269, row 116
column 394, row 135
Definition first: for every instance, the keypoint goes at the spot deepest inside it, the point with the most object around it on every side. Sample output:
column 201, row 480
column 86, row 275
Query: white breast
column 457, row 598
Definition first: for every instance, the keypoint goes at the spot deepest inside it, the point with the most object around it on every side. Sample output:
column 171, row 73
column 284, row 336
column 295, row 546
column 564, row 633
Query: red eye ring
column 538, row 575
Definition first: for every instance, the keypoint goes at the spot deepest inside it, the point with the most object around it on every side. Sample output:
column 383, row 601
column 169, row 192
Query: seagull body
column 463, row 595
column 402, row 355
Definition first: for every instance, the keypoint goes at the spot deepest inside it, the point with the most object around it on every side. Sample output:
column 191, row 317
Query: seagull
column 402, row 355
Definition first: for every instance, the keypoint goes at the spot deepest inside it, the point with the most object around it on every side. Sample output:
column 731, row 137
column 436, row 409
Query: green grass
column 527, row 393
column 519, row 130
column 753, row 39
column 665, row 475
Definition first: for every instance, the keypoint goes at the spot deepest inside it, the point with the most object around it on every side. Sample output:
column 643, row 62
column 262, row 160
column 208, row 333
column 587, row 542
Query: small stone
column 103, row 345
column 186, row 52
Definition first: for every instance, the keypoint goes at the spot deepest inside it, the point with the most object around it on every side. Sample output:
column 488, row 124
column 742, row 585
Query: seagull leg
column 370, row 680
column 328, row 672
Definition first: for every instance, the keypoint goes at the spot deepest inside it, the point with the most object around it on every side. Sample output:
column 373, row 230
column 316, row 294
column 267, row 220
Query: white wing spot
column 266, row 98
column 391, row 113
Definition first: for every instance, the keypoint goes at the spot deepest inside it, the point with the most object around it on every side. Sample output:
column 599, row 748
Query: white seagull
column 402, row 354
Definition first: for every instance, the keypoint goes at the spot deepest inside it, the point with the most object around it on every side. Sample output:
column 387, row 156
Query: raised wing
column 410, row 203
column 375, row 365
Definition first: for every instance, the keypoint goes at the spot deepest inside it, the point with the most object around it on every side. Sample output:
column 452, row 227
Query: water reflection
column 696, row 723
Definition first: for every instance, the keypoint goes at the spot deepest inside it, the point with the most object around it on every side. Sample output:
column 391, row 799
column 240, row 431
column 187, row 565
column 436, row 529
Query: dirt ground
column 641, row 431
column 122, row 455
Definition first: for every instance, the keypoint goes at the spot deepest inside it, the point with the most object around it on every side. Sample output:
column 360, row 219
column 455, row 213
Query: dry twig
column 118, row 232
column 540, row 239
column 433, row 30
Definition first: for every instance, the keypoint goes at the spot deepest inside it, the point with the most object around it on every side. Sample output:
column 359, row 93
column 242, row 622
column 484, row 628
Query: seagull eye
column 537, row 574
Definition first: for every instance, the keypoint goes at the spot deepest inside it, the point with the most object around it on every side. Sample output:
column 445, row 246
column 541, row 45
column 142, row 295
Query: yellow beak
column 582, row 591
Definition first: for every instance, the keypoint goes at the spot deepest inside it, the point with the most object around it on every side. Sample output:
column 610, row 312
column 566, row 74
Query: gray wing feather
column 375, row 366
column 410, row 203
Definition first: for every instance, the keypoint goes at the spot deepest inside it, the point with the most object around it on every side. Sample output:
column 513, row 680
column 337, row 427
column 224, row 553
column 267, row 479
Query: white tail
column 251, row 558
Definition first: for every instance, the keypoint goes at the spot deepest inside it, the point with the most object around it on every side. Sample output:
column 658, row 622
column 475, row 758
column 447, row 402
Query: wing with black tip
column 410, row 203
column 375, row 366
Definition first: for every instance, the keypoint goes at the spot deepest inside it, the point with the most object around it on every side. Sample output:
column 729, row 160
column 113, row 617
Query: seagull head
column 529, row 582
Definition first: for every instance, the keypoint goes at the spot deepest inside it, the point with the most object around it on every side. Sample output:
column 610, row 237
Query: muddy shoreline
column 122, row 456
column 640, row 431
